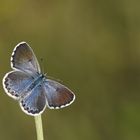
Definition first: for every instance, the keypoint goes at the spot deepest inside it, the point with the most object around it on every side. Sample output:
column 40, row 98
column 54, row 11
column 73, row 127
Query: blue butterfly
column 32, row 89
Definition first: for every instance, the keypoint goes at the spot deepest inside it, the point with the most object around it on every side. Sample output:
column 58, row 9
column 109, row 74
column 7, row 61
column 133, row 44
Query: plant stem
column 39, row 128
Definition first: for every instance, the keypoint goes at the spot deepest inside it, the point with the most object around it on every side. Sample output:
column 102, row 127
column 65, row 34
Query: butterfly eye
column 29, row 60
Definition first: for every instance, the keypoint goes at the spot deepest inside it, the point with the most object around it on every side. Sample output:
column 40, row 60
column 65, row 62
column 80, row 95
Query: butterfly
column 32, row 89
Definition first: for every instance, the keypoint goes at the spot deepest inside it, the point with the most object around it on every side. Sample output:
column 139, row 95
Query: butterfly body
column 37, row 81
column 33, row 90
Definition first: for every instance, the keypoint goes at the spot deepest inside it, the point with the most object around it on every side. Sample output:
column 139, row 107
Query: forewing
column 24, row 59
column 15, row 82
column 35, row 102
column 58, row 96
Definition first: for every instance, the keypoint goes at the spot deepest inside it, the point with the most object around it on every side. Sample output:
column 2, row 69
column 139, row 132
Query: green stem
column 39, row 128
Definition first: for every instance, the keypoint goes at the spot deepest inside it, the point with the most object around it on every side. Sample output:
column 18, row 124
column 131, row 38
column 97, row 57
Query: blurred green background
column 93, row 46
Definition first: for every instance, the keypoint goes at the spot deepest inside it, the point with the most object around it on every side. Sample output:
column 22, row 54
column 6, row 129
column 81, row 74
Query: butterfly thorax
column 36, row 82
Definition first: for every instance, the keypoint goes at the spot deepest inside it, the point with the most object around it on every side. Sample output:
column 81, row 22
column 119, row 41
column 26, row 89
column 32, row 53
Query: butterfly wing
column 58, row 96
column 35, row 101
column 15, row 82
column 24, row 59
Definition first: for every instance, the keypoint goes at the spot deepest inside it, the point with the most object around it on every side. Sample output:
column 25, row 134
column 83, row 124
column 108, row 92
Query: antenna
column 42, row 66
column 55, row 79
